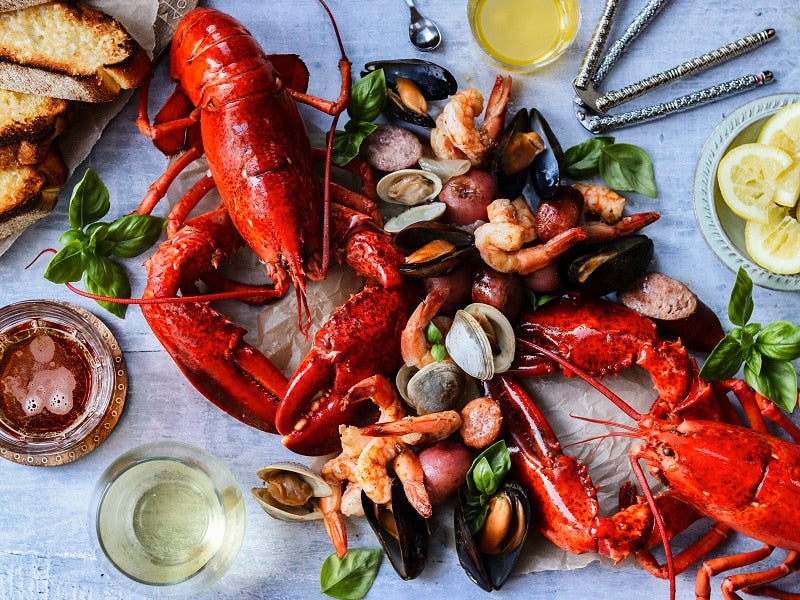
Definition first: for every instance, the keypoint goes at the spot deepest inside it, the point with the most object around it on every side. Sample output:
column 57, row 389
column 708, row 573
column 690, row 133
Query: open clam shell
column 402, row 531
column 290, row 491
column 490, row 568
column 434, row 388
column 409, row 187
column 481, row 341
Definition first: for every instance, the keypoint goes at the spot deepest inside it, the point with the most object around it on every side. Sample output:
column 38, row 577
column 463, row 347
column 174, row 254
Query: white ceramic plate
column 722, row 229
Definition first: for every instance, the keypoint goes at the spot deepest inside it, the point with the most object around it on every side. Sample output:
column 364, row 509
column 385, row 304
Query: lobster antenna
column 659, row 521
column 619, row 402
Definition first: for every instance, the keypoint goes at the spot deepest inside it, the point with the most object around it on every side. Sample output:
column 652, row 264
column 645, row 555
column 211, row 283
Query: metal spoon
column 422, row 32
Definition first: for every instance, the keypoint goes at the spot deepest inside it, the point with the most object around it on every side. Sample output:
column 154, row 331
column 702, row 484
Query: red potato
column 501, row 290
column 545, row 280
column 445, row 465
column 459, row 282
column 467, row 197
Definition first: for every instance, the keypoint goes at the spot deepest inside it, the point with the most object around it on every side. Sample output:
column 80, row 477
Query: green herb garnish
column 433, row 335
column 367, row 98
column 484, row 477
column 766, row 352
column 89, row 243
column 623, row 167
column 350, row 577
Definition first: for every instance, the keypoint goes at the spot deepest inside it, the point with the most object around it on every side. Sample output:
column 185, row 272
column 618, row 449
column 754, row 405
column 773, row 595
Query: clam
column 409, row 187
column 545, row 170
column 410, row 84
column 481, row 341
column 422, row 213
column 489, row 556
column 597, row 269
column 434, row 388
column 433, row 248
column 402, row 531
column 290, row 492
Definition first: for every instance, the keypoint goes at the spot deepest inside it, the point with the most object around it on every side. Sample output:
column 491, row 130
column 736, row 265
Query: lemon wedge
column 775, row 245
column 783, row 130
column 749, row 177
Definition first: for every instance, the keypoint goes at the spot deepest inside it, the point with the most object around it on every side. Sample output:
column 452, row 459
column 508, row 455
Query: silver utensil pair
column 591, row 105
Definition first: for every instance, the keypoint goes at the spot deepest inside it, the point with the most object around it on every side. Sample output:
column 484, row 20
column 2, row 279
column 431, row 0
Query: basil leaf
column 89, row 201
column 740, row 307
column 724, row 360
column 777, row 380
column 475, row 512
column 627, row 167
column 433, row 334
column 350, row 577
column 67, row 264
column 484, row 481
column 489, row 469
column 347, row 143
column 438, row 351
column 779, row 340
column 133, row 234
column 367, row 97
column 70, row 235
column 582, row 160
column 97, row 233
column 753, row 361
column 104, row 277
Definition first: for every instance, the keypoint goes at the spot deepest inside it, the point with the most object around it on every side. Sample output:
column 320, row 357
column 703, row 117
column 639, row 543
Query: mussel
column 402, row 531
column 290, row 491
column 597, row 269
column 410, row 84
column 434, row 388
column 516, row 150
column 433, row 248
column 546, row 168
column 489, row 556
column 481, row 341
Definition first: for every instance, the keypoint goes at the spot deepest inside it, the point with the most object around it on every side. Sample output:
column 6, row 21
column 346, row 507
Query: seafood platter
column 449, row 322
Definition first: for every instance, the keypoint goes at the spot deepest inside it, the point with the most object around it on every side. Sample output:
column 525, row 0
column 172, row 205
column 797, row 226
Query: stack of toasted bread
column 53, row 55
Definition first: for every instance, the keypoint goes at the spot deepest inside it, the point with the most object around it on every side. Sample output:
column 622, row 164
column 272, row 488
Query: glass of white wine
column 524, row 34
column 169, row 517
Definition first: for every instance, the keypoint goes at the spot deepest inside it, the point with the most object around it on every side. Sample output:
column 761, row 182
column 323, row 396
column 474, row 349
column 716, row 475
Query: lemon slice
column 749, row 175
column 776, row 244
column 783, row 130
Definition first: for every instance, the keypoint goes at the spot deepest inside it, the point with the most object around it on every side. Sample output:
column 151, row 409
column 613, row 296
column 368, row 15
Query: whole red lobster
column 742, row 478
column 238, row 106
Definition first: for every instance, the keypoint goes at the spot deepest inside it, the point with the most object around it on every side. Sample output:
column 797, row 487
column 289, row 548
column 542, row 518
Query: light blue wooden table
column 45, row 548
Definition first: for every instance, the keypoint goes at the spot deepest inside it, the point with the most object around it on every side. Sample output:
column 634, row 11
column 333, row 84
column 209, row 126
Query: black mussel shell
column 435, row 82
column 489, row 571
column 510, row 186
column 408, row 551
column 395, row 109
column 546, row 167
column 597, row 269
column 415, row 236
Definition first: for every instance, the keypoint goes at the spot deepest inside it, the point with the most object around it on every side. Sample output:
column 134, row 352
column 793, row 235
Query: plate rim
column 703, row 189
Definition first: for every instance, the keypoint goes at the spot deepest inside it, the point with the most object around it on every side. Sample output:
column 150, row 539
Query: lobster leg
column 756, row 583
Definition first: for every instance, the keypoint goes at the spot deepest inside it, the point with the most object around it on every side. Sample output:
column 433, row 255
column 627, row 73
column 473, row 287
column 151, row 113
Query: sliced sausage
column 391, row 148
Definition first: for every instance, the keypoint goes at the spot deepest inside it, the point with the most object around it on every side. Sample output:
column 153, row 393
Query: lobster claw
column 361, row 339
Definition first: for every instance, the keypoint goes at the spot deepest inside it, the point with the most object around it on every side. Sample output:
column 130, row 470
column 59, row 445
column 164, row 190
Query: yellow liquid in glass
column 524, row 32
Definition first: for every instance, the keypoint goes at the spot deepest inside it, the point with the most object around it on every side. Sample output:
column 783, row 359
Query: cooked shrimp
column 422, row 429
column 408, row 469
column 371, row 469
column 501, row 241
column 455, row 135
column 413, row 341
column 330, row 506
column 481, row 422
column 381, row 391
column 602, row 202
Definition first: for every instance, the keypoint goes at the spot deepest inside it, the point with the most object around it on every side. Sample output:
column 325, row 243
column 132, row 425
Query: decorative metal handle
column 726, row 52
column 595, row 48
column 632, row 31
column 597, row 124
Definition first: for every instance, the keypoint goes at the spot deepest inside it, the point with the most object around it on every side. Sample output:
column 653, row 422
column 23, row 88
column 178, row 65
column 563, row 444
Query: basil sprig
column 89, row 243
column 485, row 476
column 623, row 167
column 350, row 577
column 367, row 98
column 766, row 352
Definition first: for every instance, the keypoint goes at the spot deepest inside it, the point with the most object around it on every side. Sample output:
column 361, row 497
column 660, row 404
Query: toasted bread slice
column 16, row 4
column 28, row 193
column 68, row 50
column 28, row 123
